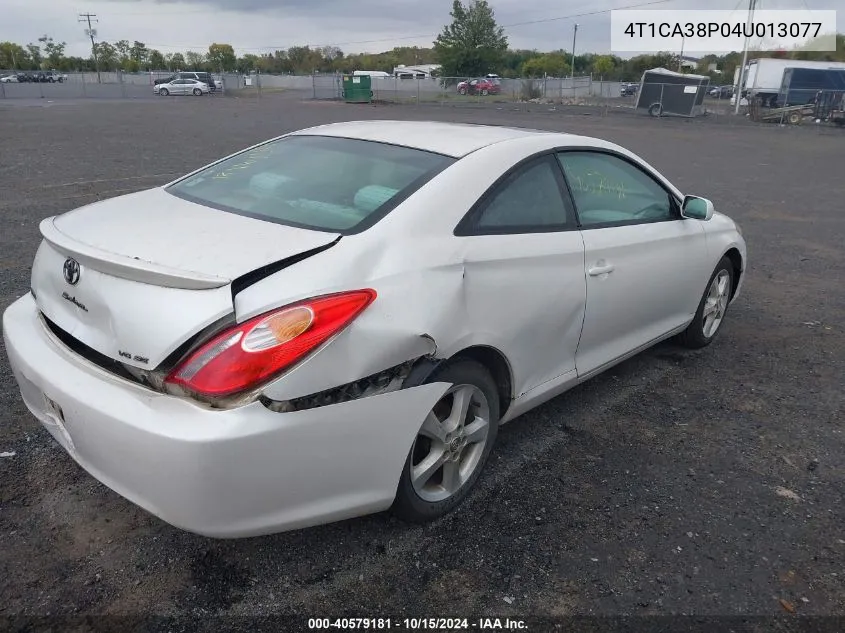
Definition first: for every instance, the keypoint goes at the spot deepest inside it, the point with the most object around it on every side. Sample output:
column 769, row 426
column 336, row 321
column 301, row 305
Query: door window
column 608, row 191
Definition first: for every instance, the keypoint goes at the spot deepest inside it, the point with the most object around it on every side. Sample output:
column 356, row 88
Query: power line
column 429, row 35
column 87, row 17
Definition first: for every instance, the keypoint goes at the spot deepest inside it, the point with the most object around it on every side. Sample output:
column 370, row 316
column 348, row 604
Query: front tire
column 452, row 445
column 164, row 92
column 712, row 309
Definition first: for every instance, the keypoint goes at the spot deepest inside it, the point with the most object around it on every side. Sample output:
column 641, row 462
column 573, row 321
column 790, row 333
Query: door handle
column 600, row 269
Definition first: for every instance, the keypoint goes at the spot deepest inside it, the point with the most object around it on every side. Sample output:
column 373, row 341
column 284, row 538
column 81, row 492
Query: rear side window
column 316, row 182
column 529, row 200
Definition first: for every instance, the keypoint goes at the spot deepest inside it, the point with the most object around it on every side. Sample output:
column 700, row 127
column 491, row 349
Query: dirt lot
column 706, row 483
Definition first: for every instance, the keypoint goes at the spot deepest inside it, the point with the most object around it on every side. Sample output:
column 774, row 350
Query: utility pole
column 572, row 70
column 738, row 90
column 681, row 56
column 91, row 32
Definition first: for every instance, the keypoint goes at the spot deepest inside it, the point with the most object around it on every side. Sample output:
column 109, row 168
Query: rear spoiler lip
column 127, row 267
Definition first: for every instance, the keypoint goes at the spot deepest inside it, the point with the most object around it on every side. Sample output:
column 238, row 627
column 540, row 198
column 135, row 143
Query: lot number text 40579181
column 415, row 624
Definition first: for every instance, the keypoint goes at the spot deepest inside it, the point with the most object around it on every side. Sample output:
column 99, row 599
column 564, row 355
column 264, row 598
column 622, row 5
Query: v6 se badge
column 136, row 358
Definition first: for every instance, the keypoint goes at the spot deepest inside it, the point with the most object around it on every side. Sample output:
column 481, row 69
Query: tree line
column 472, row 44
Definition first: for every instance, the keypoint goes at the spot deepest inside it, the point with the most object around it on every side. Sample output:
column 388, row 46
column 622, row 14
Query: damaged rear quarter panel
column 438, row 294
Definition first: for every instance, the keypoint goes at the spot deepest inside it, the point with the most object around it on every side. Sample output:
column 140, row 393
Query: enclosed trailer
column 764, row 76
column 664, row 92
column 803, row 85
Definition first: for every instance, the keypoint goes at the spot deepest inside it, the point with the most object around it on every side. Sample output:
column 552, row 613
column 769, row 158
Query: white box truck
column 764, row 76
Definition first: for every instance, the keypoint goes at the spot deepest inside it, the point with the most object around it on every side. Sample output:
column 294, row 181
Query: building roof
column 451, row 139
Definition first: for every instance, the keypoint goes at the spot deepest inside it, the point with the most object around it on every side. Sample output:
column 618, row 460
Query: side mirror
column 697, row 208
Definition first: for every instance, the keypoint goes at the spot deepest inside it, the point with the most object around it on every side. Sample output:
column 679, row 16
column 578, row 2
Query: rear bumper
column 225, row 474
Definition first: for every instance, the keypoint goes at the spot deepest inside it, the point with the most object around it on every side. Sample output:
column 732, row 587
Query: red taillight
column 246, row 355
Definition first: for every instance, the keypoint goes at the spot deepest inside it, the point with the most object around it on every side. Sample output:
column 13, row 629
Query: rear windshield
column 316, row 182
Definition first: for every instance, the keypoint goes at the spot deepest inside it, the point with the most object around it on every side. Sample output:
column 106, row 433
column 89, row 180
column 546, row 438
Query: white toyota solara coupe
column 336, row 321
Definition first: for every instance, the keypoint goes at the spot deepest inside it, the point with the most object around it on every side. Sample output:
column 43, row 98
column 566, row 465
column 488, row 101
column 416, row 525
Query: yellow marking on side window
column 598, row 184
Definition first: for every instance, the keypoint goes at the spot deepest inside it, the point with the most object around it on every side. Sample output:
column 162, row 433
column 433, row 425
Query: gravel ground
column 707, row 483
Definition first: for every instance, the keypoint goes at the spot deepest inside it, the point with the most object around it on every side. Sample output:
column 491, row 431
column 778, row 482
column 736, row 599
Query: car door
column 184, row 86
column 646, row 266
column 523, row 258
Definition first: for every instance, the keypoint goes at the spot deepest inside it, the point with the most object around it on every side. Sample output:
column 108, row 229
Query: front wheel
column 452, row 445
column 164, row 92
column 712, row 308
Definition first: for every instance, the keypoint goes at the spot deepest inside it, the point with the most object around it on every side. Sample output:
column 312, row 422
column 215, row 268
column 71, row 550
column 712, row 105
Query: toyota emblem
column 71, row 271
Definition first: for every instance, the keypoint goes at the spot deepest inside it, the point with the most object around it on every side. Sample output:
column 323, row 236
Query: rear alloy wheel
column 452, row 445
column 197, row 92
column 462, row 91
column 164, row 92
column 711, row 311
column 484, row 92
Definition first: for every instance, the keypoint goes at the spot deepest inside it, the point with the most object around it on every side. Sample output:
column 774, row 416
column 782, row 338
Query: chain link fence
column 53, row 85
column 692, row 101
column 469, row 90
column 824, row 107
column 661, row 100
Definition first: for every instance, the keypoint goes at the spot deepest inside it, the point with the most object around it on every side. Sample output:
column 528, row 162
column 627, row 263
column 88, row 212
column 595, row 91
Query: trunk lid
column 135, row 277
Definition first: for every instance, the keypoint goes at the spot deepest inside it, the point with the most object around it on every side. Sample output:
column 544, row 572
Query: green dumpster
column 357, row 89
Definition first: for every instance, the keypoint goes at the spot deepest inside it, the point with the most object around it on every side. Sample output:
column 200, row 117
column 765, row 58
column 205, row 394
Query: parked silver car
column 182, row 87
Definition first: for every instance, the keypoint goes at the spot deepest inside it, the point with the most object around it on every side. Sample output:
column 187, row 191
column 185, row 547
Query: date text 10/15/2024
column 418, row 624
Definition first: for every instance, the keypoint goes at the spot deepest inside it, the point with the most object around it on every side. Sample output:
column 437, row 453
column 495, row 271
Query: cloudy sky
column 256, row 26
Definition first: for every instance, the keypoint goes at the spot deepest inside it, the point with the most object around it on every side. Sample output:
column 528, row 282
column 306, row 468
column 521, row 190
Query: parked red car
column 483, row 86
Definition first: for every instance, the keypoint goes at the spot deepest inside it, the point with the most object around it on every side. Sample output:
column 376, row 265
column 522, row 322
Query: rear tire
column 455, row 439
column 710, row 315
column 197, row 92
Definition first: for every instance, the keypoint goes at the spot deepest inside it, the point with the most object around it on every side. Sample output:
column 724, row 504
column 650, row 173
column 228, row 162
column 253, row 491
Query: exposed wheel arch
column 736, row 259
column 491, row 358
